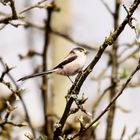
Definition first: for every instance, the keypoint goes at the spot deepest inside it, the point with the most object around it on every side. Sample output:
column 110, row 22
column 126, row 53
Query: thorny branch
column 83, row 75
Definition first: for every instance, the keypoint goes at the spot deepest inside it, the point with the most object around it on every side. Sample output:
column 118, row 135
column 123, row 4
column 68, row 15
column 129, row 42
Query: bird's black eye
column 81, row 50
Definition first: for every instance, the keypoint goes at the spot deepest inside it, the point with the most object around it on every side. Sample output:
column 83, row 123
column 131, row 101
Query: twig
column 135, row 133
column 34, row 24
column 101, row 75
column 131, row 19
column 98, row 100
column 32, row 7
column 123, row 133
column 7, row 70
column 128, row 46
column 130, row 55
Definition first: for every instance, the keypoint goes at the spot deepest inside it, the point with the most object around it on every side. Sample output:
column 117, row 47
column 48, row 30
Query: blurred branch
column 114, row 73
column 123, row 133
column 83, row 75
column 101, row 75
column 29, row 22
column 70, row 39
column 107, row 7
column 132, row 54
column 135, row 133
column 15, row 92
column 44, row 84
column 128, row 46
column 63, row 35
column 99, row 98
column 31, row 53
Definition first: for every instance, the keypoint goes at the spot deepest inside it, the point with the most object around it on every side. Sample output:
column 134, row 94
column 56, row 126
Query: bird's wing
column 67, row 60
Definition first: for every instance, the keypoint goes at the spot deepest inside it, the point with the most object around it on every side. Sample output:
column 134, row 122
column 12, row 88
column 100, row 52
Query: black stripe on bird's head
column 79, row 49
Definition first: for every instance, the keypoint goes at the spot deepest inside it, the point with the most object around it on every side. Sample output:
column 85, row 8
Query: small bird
column 71, row 65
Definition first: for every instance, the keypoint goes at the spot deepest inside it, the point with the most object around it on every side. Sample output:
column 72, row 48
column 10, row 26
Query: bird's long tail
column 36, row 75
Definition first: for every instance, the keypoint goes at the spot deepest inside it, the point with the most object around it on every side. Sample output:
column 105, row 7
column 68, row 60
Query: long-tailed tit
column 71, row 64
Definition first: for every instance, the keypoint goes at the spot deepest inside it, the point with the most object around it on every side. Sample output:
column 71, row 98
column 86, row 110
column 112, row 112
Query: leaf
column 124, row 110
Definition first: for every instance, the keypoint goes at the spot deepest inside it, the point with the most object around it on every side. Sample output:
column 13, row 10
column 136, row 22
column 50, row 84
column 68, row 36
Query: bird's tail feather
column 36, row 75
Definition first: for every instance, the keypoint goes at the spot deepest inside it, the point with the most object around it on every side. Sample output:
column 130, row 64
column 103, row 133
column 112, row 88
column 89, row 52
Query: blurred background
column 73, row 24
